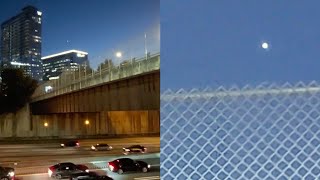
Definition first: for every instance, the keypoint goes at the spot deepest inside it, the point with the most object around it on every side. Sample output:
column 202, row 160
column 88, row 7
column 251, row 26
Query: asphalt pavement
column 31, row 161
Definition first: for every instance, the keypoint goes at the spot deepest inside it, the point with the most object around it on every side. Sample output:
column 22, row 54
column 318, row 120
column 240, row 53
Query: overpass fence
column 268, row 131
column 74, row 81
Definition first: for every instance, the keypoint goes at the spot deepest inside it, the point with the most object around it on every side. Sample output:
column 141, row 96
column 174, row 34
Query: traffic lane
column 86, row 142
column 50, row 160
column 50, row 147
column 62, row 153
column 154, row 173
column 92, row 163
column 69, row 150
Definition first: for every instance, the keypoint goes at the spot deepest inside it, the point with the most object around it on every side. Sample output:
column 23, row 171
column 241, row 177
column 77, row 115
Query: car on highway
column 72, row 143
column 101, row 147
column 88, row 176
column 64, row 170
column 128, row 165
column 134, row 149
column 7, row 173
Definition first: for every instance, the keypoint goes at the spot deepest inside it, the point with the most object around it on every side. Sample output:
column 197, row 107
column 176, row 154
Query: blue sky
column 99, row 27
column 209, row 42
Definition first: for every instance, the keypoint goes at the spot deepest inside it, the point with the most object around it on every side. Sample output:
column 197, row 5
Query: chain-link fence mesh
column 266, row 132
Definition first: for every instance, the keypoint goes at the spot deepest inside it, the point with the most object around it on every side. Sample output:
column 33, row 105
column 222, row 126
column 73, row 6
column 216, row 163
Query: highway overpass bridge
column 122, row 100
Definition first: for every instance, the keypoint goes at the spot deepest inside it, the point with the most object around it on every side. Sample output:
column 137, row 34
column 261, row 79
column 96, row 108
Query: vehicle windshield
column 136, row 146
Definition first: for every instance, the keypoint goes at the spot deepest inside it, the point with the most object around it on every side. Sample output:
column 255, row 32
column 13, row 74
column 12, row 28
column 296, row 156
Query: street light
column 87, row 122
column 45, row 124
column 118, row 54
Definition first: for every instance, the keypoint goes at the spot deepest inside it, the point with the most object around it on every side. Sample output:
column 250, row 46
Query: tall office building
column 21, row 42
column 67, row 61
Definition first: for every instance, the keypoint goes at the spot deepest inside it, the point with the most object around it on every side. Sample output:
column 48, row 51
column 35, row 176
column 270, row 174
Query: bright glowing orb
column 119, row 54
column 265, row 45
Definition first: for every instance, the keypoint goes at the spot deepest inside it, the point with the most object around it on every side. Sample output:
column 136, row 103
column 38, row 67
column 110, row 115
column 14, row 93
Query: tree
column 106, row 64
column 16, row 89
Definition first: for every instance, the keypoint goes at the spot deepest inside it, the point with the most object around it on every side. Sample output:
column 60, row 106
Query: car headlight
column 62, row 144
column 87, row 170
column 149, row 166
column 11, row 174
column 92, row 147
column 110, row 147
column 127, row 150
column 49, row 172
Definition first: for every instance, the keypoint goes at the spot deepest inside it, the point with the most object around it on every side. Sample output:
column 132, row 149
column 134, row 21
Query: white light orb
column 119, row 54
column 265, row 45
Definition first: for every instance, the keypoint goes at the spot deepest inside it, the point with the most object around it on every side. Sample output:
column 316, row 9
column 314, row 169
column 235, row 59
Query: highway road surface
column 31, row 161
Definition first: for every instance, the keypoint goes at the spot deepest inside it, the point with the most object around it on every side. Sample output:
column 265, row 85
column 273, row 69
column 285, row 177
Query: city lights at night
column 62, row 93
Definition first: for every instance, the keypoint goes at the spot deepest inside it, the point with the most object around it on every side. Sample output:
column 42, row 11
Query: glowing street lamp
column 87, row 122
column 118, row 54
column 46, row 124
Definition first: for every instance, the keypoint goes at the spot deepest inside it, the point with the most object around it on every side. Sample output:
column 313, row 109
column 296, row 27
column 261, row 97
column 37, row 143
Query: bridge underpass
column 128, row 106
column 116, row 101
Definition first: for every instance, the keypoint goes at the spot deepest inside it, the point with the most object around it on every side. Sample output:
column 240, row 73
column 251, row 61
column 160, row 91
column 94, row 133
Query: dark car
column 126, row 164
column 64, row 170
column 101, row 147
column 72, row 143
column 88, row 176
column 134, row 149
column 7, row 173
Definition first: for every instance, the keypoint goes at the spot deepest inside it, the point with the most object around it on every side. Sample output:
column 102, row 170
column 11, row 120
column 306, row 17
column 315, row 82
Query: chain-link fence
column 265, row 132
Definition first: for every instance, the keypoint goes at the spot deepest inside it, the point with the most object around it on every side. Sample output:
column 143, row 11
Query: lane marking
column 146, row 178
column 36, row 174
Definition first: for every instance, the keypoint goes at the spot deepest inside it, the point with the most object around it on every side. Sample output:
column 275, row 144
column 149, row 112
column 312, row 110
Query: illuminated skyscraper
column 21, row 42
column 67, row 61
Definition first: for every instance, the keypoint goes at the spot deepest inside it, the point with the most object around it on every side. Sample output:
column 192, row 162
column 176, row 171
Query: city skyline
column 106, row 28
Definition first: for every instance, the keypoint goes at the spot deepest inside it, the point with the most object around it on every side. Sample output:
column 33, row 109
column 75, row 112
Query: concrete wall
column 22, row 124
column 101, row 123
column 136, row 93
column 16, row 124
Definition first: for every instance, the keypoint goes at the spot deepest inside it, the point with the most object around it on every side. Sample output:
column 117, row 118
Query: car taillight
column 77, row 144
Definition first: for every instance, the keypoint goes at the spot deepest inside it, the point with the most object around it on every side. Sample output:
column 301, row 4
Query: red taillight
column 77, row 144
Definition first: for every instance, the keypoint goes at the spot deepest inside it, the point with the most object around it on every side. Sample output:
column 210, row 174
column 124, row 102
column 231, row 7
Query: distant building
column 21, row 42
column 55, row 64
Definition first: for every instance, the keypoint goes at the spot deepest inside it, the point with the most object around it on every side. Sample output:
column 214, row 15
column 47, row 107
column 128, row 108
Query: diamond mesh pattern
column 265, row 132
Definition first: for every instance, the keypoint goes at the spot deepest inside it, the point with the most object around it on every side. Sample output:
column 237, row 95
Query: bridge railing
column 74, row 81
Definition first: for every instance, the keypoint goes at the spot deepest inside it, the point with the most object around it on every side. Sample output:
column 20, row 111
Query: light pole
column 145, row 45
column 119, row 55
column 79, row 76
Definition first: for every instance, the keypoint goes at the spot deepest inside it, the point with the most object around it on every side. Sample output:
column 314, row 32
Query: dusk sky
column 99, row 27
column 210, row 43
